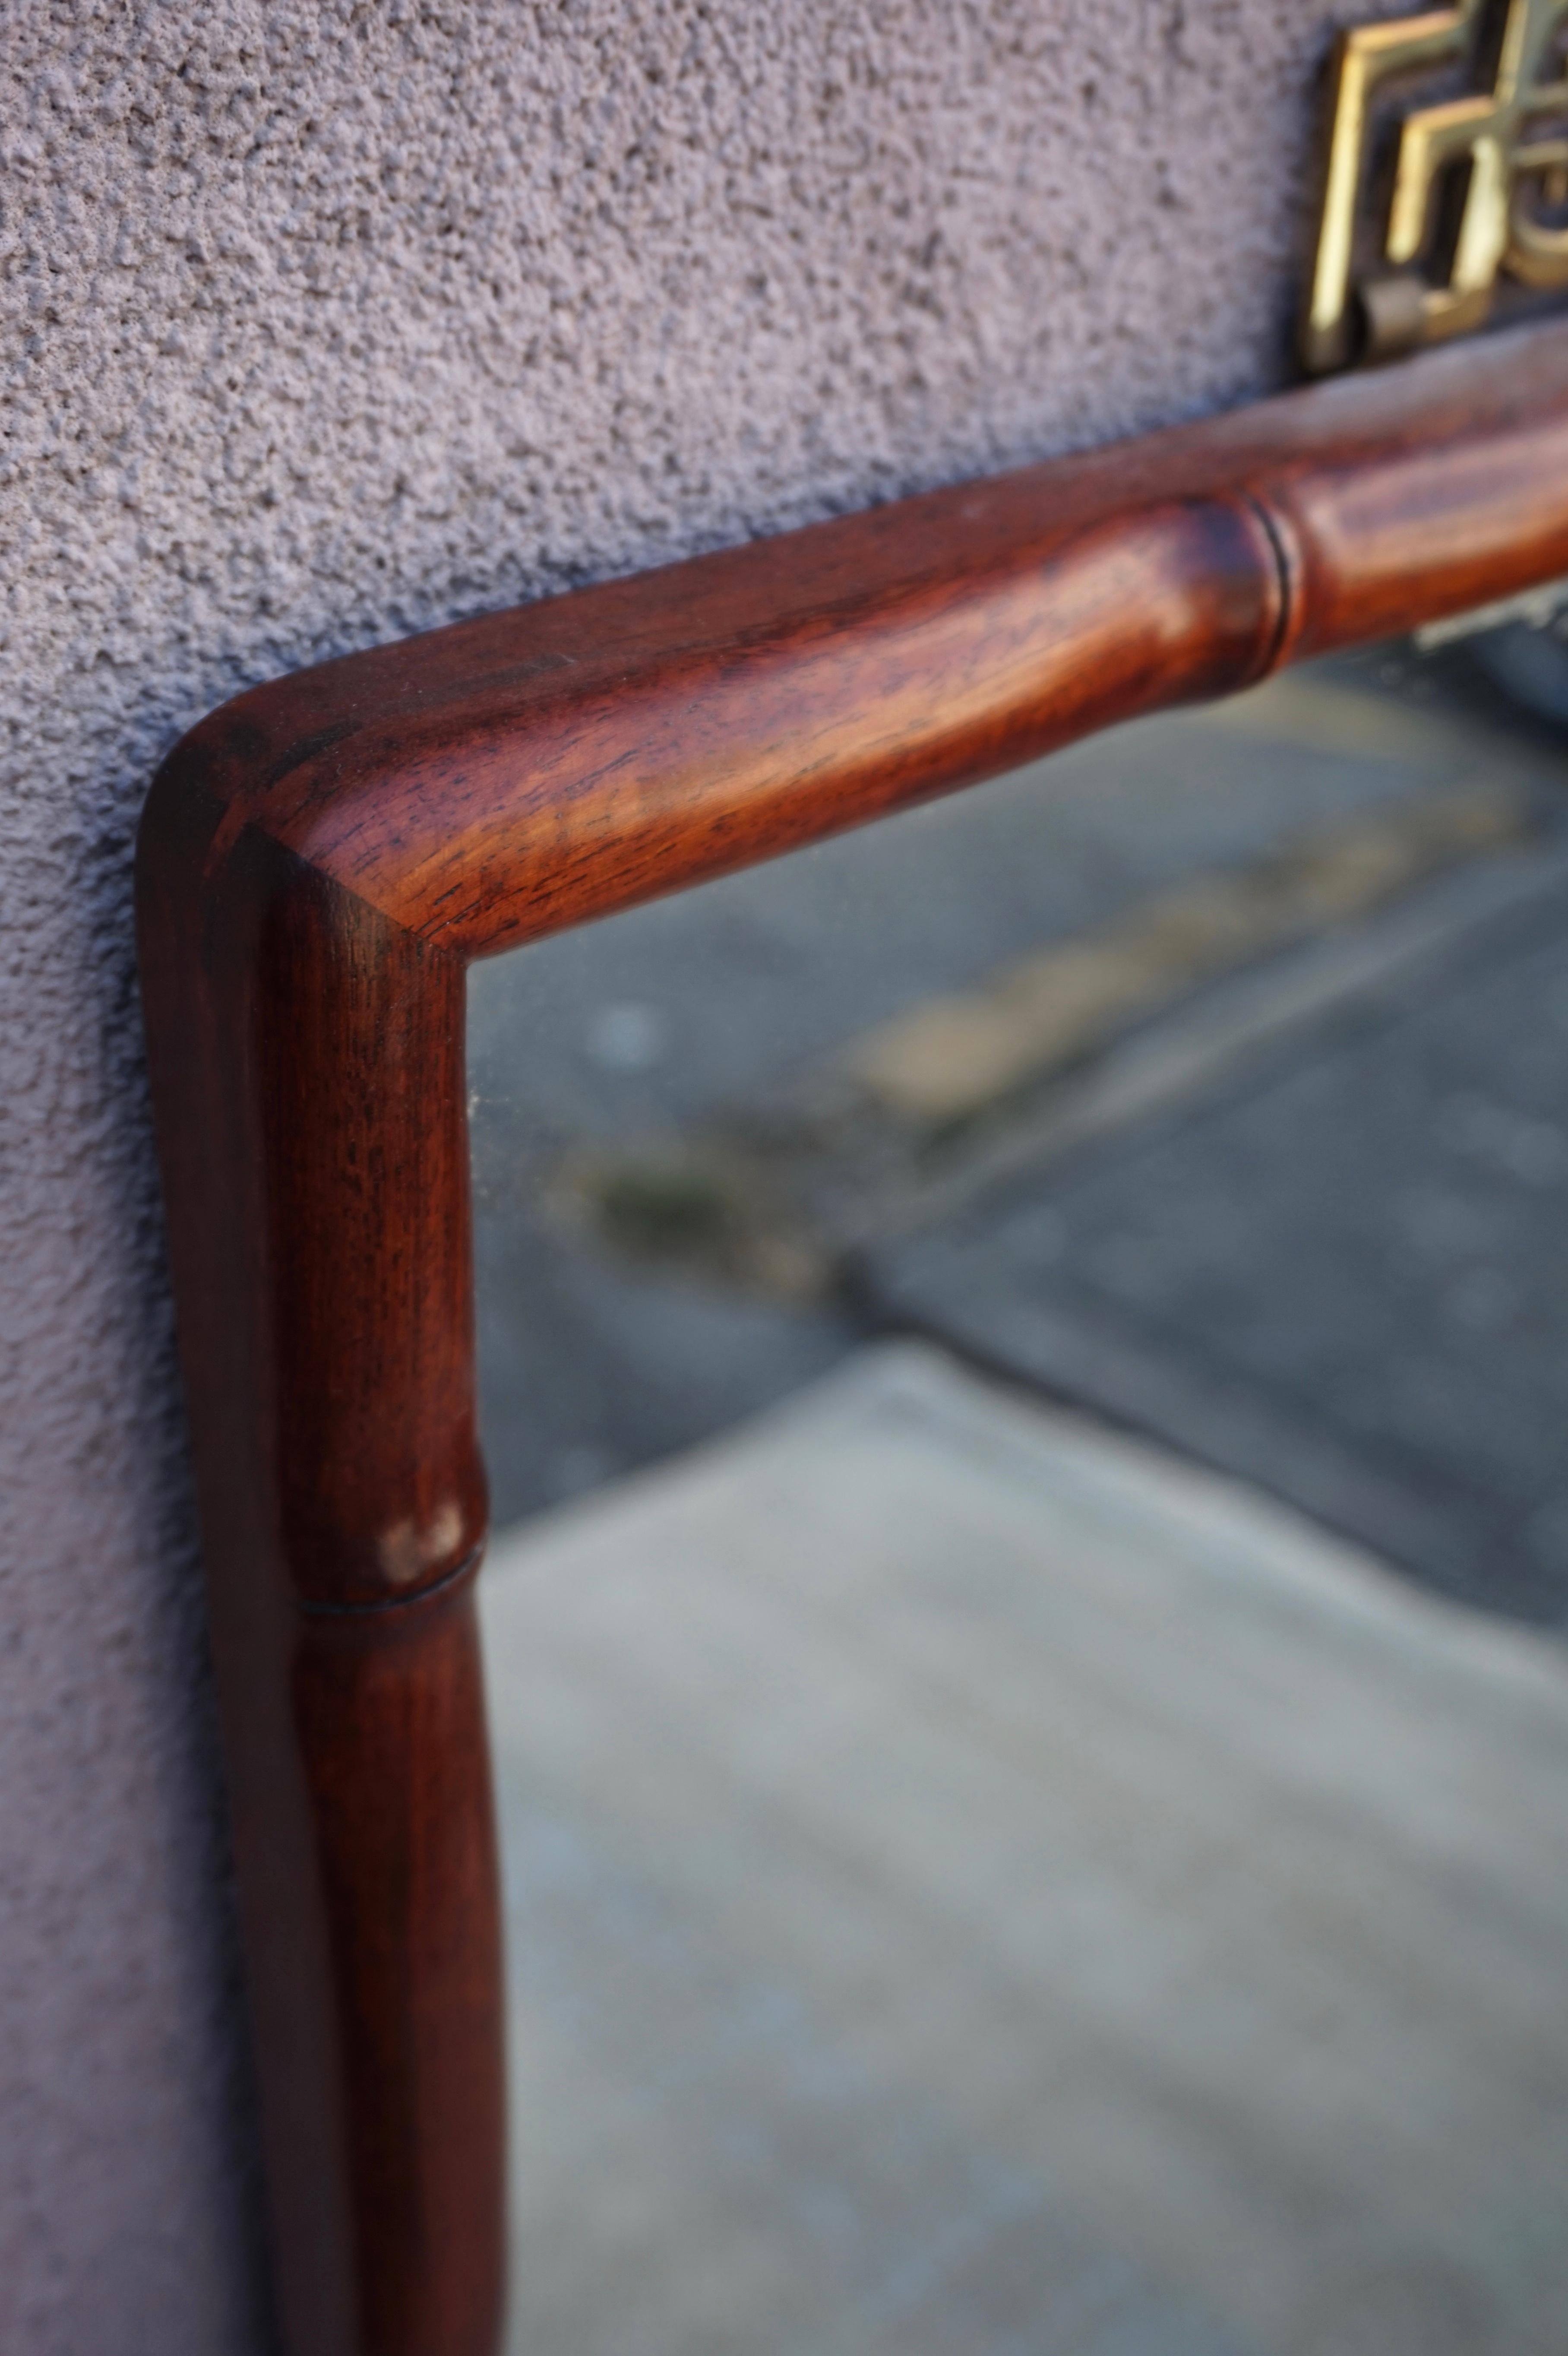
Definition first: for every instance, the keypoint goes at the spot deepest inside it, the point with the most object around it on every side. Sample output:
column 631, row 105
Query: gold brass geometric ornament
column 1427, row 206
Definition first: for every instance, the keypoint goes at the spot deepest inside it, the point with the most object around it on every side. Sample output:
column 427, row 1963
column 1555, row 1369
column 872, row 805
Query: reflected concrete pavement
column 980, row 1883
column 978, row 1886
column 1267, row 1153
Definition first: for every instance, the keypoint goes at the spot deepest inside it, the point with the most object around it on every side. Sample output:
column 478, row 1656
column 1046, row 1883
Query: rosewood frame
column 318, row 861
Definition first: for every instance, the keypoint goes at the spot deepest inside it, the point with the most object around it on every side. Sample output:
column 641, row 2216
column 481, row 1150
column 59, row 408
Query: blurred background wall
column 325, row 323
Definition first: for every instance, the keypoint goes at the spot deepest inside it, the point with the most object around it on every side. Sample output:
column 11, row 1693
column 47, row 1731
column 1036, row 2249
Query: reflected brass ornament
column 1421, row 216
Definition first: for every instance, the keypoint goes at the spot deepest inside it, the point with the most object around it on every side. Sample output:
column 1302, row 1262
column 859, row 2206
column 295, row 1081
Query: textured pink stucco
column 323, row 321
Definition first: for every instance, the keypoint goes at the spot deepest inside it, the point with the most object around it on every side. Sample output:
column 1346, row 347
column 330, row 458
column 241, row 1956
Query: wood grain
column 307, row 1070
column 318, row 861
column 516, row 773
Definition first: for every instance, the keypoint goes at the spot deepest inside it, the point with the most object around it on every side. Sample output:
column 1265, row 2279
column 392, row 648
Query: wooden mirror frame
column 317, row 863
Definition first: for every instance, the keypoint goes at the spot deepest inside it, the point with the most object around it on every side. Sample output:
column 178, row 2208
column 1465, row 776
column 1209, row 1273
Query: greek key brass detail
column 1424, row 213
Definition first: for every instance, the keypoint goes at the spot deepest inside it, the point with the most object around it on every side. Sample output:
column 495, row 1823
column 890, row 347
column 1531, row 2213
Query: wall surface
column 324, row 322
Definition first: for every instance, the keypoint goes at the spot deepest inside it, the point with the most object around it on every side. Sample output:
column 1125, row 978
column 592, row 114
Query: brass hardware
column 1477, row 179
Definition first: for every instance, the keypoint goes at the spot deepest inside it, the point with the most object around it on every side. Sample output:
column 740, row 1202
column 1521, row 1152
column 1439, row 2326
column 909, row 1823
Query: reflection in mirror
column 1024, row 1379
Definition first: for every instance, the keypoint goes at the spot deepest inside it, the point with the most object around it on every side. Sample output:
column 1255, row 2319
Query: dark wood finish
column 308, row 1065
column 318, row 861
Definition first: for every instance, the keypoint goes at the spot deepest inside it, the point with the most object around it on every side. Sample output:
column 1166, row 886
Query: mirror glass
column 1025, row 1374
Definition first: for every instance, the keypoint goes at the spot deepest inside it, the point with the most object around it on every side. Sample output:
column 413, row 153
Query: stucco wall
column 323, row 322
